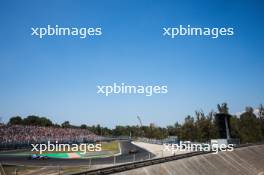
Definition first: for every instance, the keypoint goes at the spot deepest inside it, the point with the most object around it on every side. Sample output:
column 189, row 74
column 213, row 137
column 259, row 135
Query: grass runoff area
column 108, row 149
column 40, row 170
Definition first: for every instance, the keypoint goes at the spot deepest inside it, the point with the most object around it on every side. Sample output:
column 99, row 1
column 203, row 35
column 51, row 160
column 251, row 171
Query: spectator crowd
column 22, row 134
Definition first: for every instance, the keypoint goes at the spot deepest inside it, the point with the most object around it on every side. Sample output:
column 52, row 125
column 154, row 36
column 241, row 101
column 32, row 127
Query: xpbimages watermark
column 190, row 147
column 131, row 89
column 188, row 30
column 81, row 32
column 65, row 147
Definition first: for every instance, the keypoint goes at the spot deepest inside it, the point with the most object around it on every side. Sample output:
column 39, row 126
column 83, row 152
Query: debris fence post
column 1, row 166
column 90, row 162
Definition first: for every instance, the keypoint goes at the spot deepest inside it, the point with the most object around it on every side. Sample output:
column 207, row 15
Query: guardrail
column 139, row 164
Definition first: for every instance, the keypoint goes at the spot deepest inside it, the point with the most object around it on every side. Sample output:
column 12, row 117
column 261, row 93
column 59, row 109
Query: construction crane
column 139, row 119
column 141, row 126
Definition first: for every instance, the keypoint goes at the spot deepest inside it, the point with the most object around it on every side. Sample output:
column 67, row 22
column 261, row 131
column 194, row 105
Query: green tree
column 249, row 127
column 174, row 130
column 66, row 124
column 43, row 121
column 261, row 120
column 206, row 129
column 83, row 126
column 234, row 127
column 17, row 120
column 37, row 121
column 188, row 129
column 223, row 108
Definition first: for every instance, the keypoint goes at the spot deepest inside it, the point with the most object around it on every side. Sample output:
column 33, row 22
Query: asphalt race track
column 126, row 146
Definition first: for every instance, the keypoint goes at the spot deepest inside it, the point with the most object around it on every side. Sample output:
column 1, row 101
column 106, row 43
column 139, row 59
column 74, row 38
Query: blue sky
column 57, row 77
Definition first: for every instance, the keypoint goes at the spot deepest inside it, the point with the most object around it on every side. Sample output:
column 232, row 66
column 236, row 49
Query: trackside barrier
column 144, row 163
column 139, row 164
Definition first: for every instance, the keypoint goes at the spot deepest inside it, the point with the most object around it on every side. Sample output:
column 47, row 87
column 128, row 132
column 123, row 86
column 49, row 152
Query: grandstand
column 20, row 136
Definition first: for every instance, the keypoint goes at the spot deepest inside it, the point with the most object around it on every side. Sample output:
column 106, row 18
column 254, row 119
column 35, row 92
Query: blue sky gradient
column 57, row 77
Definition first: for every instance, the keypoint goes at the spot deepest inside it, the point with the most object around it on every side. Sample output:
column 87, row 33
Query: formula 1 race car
column 37, row 157
column 133, row 151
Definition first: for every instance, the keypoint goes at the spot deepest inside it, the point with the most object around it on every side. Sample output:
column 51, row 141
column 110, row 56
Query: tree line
column 248, row 127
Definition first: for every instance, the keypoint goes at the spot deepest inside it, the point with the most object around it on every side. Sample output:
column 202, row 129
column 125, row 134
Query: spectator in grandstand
column 23, row 134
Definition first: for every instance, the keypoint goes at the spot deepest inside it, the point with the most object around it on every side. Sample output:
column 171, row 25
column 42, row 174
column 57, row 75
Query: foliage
column 248, row 127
